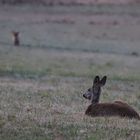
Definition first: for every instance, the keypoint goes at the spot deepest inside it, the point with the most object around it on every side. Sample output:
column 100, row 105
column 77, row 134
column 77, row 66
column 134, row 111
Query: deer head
column 94, row 92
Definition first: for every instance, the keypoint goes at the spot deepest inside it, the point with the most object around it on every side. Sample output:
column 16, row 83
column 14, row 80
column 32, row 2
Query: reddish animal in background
column 16, row 39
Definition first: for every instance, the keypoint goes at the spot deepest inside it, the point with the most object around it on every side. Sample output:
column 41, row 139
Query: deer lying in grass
column 16, row 38
column 117, row 108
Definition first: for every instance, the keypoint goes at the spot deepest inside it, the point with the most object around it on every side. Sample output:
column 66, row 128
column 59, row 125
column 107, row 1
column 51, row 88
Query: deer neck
column 96, row 95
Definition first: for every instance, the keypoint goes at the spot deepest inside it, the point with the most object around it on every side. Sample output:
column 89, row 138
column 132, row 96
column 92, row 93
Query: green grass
column 37, row 63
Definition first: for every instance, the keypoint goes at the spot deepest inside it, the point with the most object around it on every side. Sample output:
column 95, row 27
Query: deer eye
column 89, row 89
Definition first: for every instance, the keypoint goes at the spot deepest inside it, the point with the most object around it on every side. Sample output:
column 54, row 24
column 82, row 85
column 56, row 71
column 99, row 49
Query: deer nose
column 84, row 96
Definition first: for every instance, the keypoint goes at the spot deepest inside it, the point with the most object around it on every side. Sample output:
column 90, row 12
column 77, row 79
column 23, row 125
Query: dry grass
column 54, row 107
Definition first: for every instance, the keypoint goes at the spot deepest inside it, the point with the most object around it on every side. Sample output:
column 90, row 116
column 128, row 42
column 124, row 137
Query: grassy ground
column 62, row 49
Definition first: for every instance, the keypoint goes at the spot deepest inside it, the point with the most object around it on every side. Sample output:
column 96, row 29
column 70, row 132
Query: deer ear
column 96, row 80
column 103, row 81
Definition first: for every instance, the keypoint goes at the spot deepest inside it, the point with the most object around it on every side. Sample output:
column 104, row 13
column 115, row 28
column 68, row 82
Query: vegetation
column 62, row 49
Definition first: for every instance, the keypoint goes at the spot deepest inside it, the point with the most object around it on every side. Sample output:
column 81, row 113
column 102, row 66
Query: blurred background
column 60, row 46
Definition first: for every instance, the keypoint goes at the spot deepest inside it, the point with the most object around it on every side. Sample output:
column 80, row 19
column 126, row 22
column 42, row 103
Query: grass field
column 62, row 49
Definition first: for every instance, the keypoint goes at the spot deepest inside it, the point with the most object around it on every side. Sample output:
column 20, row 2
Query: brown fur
column 117, row 108
column 16, row 38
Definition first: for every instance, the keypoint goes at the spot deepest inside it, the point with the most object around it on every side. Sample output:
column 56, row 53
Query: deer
column 16, row 38
column 107, row 109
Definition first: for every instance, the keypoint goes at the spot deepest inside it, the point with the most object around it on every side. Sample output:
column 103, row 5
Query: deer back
column 112, row 109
